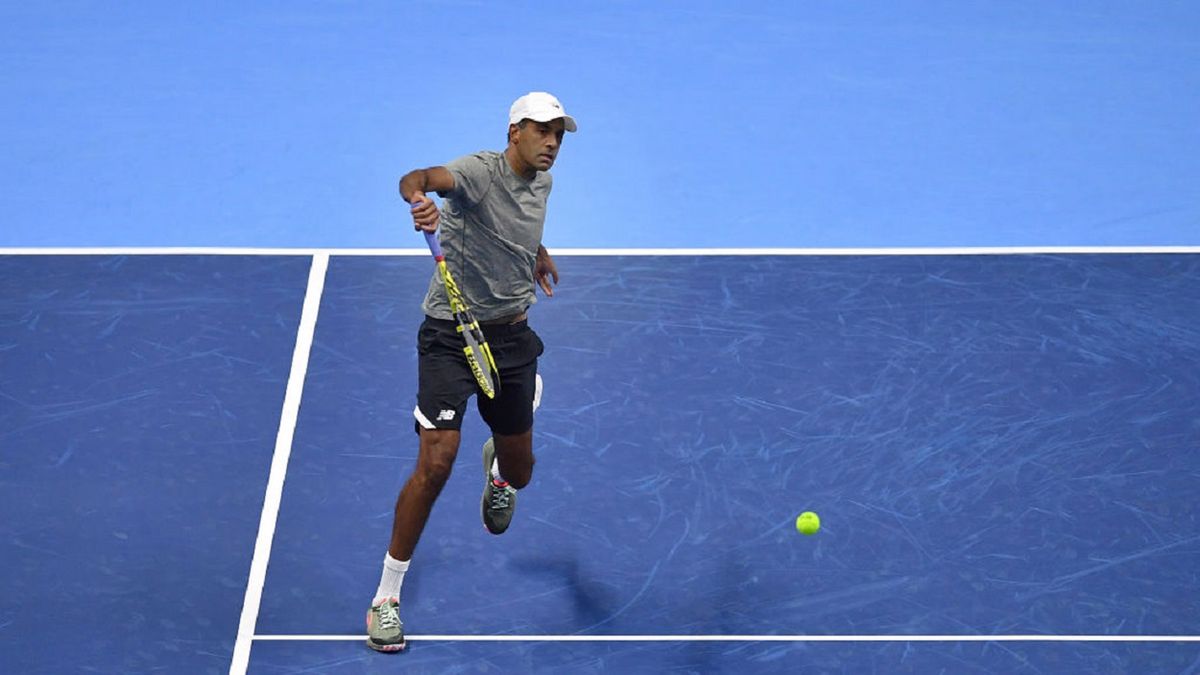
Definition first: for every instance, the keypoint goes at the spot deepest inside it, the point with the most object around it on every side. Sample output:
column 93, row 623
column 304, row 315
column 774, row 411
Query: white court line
column 209, row 250
column 751, row 638
column 909, row 251
column 279, row 462
column 900, row 251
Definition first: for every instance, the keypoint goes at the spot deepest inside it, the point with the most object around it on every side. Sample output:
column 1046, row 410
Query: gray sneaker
column 498, row 500
column 385, row 632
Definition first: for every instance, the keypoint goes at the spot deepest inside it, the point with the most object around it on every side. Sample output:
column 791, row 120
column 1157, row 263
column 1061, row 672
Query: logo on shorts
column 445, row 415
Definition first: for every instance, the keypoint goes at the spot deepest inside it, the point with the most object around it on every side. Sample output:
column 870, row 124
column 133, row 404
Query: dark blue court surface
column 139, row 399
column 997, row 445
column 739, row 657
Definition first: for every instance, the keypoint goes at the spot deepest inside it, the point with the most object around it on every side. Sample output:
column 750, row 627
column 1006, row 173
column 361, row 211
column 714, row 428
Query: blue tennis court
column 999, row 445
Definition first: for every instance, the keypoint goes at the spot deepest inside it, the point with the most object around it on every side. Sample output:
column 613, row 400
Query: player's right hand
column 424, row 213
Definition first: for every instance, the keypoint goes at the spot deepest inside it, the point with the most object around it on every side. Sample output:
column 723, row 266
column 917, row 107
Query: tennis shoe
column 385, row 631
column 499, row 498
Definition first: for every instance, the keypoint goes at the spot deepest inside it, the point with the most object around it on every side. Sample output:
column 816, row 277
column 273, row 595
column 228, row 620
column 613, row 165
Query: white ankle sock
column 496, row 471
column 393, row 577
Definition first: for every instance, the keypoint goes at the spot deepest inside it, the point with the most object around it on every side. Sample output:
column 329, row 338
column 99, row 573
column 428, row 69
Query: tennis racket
column 479, row 355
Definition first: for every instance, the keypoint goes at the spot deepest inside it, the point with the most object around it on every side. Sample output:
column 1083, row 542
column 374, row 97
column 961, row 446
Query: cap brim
column 568, row 121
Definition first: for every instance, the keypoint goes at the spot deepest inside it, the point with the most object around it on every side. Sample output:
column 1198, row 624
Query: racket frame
column 475, row 342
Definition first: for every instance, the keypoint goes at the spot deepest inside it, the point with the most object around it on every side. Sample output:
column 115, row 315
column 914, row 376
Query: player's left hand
column 545, row 270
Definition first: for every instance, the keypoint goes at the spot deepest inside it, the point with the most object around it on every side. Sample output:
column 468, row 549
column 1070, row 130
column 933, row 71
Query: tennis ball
column 808, row 523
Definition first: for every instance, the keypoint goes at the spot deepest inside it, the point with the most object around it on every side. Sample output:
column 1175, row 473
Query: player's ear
column 512, row 129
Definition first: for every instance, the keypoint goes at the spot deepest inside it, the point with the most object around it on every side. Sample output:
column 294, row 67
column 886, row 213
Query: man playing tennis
column 491, row 232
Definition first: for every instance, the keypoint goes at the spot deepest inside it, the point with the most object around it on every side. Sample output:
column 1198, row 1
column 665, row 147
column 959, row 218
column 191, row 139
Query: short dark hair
column 520, row 125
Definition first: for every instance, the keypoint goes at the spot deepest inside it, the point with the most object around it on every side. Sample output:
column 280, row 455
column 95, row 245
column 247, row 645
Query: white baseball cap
column 539, row 107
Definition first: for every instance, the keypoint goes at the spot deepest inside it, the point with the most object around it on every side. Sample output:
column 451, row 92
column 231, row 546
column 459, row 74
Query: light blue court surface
column 998, row 445
column 702, row 122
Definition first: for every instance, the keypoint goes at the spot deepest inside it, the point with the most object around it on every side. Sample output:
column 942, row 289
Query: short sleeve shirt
column 490, row 230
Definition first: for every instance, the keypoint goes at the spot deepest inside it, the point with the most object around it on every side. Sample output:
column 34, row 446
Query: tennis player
column 491, row 221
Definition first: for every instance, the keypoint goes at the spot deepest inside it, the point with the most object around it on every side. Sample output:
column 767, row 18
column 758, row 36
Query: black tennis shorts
column 445, row 381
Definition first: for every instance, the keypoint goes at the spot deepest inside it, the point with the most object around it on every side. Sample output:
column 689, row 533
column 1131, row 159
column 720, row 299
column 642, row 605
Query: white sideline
column 279, row 462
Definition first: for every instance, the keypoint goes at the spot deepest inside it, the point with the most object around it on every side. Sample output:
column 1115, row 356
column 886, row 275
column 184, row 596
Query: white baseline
column 750, row 638
column 391, row 252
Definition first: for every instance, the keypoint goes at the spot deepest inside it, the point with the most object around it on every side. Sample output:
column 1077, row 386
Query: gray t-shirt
column 490, row 230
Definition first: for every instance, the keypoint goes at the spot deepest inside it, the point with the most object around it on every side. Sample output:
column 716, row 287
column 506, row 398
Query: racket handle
column 434, row 247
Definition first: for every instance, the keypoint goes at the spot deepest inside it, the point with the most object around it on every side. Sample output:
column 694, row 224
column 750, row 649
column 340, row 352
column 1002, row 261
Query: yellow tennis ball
column 808, row 523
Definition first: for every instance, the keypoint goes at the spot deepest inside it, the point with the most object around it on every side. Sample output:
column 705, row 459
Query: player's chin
column 545, row 162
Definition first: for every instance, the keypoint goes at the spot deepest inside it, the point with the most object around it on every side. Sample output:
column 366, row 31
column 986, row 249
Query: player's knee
column 522, row 474
column 436, row 459
column 434, row 472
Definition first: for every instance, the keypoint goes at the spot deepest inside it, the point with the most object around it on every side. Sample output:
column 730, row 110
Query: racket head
column 476, row 349
column 479, row 356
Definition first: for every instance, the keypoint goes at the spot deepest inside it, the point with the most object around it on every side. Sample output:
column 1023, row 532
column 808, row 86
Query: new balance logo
column 445, row 415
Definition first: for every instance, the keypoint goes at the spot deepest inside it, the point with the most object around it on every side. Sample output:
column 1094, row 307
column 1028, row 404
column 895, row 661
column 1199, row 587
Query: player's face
column 538, row 143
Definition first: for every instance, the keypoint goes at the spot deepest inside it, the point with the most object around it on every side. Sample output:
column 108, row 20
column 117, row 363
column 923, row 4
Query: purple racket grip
column 434, row 247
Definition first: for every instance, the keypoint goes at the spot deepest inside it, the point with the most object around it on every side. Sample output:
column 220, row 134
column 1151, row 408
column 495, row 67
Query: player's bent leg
column 435, row 459
column 502, row 455
column 514, row 453
column 499, row 498
column 508, row 455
